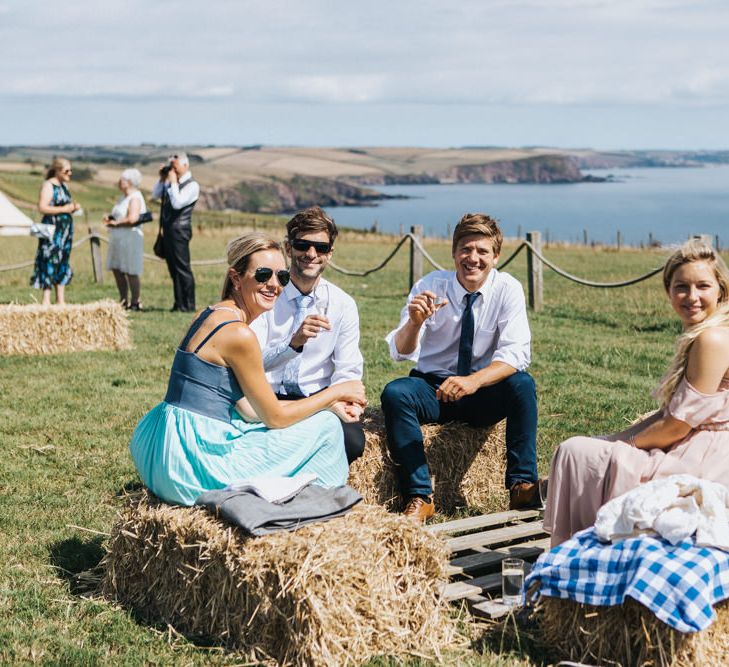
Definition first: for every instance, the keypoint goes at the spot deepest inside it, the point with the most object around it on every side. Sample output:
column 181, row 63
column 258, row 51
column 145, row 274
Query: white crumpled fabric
column 675, row 508
column 272, row 488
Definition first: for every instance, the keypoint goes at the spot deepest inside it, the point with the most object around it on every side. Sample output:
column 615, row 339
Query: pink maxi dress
column 587, row 472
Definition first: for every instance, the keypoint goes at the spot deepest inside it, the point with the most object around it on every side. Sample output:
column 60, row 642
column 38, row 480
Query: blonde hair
column 56, row 165
column 239, row 252
column 694, row 250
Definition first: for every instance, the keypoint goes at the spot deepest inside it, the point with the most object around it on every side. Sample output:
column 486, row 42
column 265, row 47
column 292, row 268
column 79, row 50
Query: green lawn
column 65, row 422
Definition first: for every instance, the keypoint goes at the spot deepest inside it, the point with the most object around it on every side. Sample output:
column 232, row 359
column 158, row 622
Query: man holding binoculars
column 179, row 194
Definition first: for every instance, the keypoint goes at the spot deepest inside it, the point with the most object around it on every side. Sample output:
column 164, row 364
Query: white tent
column 13, row 222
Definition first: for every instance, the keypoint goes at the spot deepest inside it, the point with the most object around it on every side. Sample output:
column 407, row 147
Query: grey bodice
column 198, row 385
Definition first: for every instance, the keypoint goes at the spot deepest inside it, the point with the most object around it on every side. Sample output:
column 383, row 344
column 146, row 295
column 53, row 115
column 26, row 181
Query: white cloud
column 555, row 52
column 337, row 88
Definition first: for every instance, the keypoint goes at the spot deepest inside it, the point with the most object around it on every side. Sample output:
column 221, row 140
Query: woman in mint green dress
column 205, row 434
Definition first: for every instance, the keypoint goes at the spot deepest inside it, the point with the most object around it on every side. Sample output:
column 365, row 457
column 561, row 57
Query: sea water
column 665, row 205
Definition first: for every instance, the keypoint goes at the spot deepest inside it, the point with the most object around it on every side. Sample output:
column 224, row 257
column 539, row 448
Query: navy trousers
column 409, row 402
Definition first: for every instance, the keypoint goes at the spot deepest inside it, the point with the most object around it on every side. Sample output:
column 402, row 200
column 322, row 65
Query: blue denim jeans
column 409, row 402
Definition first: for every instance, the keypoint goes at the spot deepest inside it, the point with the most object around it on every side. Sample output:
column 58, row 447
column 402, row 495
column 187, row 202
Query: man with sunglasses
column 179, row 194
column 468, row 334
column 310, row 340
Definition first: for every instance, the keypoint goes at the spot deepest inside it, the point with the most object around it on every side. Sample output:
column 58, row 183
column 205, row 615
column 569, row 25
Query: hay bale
column 629, row 634
column 467, row 464
column 36, row 329
column 331, row 593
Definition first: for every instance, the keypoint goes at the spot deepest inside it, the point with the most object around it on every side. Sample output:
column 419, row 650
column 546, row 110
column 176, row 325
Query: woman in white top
column 126, row 241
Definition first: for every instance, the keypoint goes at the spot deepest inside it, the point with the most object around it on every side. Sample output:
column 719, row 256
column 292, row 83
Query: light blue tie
column 290, row 379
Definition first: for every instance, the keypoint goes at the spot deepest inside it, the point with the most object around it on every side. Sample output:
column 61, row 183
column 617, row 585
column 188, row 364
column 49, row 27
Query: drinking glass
column 512, row 582
column 440, row 289
column 322, row 301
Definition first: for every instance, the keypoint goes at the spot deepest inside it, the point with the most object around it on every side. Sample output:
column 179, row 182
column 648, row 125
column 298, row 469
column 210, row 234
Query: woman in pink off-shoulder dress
column 689, row 434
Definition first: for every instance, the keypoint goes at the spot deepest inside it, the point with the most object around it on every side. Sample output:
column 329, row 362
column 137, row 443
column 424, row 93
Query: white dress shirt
column 332, row 357
column 178, row 198
column 501, row 328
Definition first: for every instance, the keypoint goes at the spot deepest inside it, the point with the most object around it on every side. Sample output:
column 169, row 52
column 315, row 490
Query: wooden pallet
column 478, row 545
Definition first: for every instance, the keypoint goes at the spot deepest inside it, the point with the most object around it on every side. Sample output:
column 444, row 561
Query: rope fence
column 533, row 246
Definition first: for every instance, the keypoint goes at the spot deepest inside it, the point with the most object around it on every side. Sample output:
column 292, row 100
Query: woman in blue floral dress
column 52, row 268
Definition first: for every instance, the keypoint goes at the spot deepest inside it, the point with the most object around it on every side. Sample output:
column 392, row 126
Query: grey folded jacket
column 258, row 517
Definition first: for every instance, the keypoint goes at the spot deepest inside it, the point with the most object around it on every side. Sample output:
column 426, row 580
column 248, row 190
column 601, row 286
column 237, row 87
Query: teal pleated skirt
column 180, row 454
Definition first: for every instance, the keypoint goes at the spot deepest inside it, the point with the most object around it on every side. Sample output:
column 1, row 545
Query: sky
column 605, row 74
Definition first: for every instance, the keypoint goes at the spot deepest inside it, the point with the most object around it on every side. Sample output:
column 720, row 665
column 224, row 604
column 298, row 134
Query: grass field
column 66, row 420
column 98, row 196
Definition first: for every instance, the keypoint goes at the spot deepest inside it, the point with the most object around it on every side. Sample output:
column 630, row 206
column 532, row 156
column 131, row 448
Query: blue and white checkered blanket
column 679, row 584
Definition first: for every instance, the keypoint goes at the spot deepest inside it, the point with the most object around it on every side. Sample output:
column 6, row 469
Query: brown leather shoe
column 524, row 495
column 419, row 509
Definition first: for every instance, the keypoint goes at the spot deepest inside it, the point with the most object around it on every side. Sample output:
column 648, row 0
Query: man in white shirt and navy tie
column 310, row 340
column 471, row 350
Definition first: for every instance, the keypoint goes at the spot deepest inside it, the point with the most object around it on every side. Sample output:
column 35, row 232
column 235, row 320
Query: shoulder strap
column 194, row 327
column 212, row 333
column 226, row 308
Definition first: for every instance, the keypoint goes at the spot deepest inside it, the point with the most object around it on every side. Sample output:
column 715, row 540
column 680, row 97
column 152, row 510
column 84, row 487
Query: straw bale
column 628, row 634
column 339, row 592
column 36, row 329
column 467, row 464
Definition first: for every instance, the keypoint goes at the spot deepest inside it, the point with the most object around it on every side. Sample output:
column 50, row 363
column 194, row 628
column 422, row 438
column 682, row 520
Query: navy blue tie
column 465, row 345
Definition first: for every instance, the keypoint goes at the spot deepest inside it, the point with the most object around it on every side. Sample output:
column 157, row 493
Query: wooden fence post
column 706, row 238
column 535, row 285
column 96, row 265
column 416, row 258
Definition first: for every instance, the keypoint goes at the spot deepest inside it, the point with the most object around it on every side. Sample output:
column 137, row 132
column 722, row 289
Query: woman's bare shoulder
column 709, row 355
column 240, row 335
column 713, row 340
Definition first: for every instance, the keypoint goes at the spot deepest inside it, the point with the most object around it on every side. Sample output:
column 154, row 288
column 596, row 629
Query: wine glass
column 321, row 303
column 440, row 289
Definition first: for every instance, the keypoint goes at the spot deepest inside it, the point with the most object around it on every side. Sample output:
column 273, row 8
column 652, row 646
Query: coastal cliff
column 277, row 195
column 537, row 169
column 541, row 169
column 283, row 195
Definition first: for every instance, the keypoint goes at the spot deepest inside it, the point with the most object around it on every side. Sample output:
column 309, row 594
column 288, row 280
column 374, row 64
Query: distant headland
column 276, row 179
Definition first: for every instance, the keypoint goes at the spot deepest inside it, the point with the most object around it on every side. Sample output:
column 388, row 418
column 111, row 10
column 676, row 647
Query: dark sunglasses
column 263, row 274
column 302, row 245
column 67, row 171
